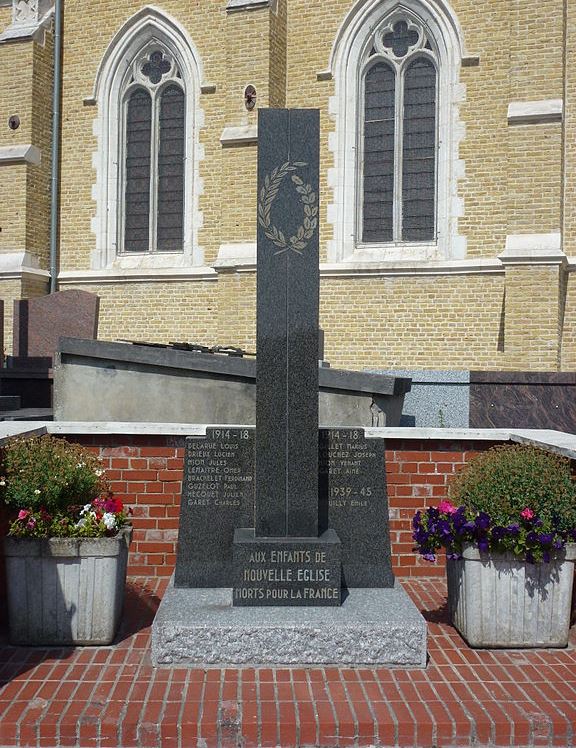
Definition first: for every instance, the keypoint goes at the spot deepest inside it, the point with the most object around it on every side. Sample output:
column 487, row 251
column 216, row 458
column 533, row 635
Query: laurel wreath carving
column 308, row 198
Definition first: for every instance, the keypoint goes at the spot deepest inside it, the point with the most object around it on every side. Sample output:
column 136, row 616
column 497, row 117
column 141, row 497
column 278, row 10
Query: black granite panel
column 354, row 502
column 527, row 400
column 287, row 324
column 286, row 571
column 217, row 497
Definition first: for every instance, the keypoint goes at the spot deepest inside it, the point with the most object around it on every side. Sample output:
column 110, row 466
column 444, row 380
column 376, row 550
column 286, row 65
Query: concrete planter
column 495, row 600
column 65, row 590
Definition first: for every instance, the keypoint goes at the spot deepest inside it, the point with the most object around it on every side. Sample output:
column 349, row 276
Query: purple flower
column 429, row 556
column 482, row 521
column 498, row 533
column 483, row 545
column 513, row 529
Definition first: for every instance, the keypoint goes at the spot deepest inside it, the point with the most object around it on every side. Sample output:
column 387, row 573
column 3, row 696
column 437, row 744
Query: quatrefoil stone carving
column 400, row 39
column 156, row 67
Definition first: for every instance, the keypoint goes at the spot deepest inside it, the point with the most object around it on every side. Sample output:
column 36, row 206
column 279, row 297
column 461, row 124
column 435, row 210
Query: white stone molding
column 349, row 51
column 533, row 249
column 20, row 154
column 15, row 265
column 477, row 266
column 242, row 258
column 236, row 5
column 149, row 27
column 236, row 257
column 535, row 112
column 239, row 135
column 135, row 275
column 29, row 18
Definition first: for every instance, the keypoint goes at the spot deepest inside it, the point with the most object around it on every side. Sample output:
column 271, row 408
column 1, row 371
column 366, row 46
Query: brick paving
column 112, row 696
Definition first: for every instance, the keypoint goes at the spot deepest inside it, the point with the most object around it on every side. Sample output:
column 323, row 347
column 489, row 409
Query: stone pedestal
column 372, row 627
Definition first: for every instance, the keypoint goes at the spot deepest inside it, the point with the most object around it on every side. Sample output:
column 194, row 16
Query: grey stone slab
column 217, row 497
column 201, row 627
column 437, row 399
column 74, row 350
column 286, row 571
column 354, row 501
column 287, row 308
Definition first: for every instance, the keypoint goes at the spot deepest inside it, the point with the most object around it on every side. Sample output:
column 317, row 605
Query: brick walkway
column 111, row 696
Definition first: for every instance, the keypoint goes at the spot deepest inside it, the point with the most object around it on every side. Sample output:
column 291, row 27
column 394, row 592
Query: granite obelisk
column 284, row 549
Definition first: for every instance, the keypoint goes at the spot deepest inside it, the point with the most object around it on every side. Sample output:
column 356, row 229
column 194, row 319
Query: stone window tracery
column 398, row 166
column 152, row 187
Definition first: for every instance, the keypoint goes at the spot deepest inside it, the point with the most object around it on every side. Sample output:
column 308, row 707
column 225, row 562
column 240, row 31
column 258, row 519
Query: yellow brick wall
column 277, row 58
column 569, row 132
column 450, row 322
column 532, row 314
column 568, row 317
column 237, row 310
column 38, row 177
column 16, row 68
column 156, row 312
column 512, row 184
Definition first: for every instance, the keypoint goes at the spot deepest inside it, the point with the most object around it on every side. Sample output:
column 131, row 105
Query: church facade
column 446, row 211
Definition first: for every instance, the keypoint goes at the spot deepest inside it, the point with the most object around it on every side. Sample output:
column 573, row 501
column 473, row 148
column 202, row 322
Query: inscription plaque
column 217, row 497
column 354, row 502
column 286, row 571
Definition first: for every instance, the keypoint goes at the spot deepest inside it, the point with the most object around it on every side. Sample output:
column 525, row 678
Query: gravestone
column 39, row 324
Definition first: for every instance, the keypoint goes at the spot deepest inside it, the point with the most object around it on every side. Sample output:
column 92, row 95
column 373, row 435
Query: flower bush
column 57, row 489
column 516, row 499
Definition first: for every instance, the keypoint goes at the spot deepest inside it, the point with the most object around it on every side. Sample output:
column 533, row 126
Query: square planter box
column 495, row 600
column 65, row 590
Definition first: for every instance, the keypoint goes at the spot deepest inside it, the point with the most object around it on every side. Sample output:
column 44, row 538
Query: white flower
column 85, row 508
column 81, row 465
column 2, row 482
column 81, row 522
column 99, row 472
column 109, row 520
column 37, row 491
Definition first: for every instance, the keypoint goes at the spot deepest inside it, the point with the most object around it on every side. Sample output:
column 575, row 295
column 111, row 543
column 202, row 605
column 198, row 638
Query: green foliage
column 505, row 480
column 49, row 473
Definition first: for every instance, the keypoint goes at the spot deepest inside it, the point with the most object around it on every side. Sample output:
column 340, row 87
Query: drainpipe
column 55, row 166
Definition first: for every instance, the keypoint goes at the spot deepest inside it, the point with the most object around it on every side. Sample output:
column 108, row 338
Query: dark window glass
column 378, row 171
column 400, row 39
column 170, row 228
column 137, row 195
column 419, row 151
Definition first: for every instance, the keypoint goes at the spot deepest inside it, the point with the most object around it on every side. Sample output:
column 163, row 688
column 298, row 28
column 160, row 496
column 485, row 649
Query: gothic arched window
column 149, row 117
column 398, row 129
column 399, row 137
column 153, row 156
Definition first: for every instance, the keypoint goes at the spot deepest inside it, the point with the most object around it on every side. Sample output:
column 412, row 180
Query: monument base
column 201, row 627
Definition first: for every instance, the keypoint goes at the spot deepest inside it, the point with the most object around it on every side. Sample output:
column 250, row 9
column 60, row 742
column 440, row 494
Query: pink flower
column 31, row 524
column 527, row 513
column 23, row 513
column 446, row 507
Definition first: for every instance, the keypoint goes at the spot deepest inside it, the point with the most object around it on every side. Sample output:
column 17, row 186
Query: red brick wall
column 146, row 472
